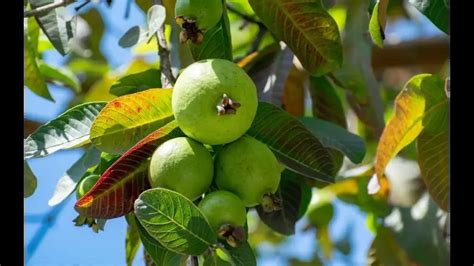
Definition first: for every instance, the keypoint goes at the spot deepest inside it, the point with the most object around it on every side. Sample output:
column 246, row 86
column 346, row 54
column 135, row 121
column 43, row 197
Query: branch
column 46, row 8
column 244, row 16
column 167, row 78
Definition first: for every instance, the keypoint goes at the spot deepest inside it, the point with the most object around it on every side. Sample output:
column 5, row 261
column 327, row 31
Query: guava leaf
column 421, row 104
column 155, row 18
column 293, row 144
column 121, row 183
column 59, row 30
column 386, row 251
column 68, row 130
column 135, row 35
column 307, row 28
column 127, row 119
column 242, row 255
column 293, row 100
column 68, row 182
column 217, row 41
column 160, row 255
column 137, row 82
column 326, row 103
column 174, row 221
column 60, row 74
column 29, row 179
column 433, row 158
column 96, row 22
column 290, row 192
column 132, row 239
column 335, row 137
column 377, row 22
column 33, row 78
column 437, row 11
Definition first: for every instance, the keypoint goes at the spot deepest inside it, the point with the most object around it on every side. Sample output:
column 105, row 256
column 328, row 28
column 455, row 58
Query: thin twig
column 167, row 78
column 244, row 16
column 46, row 8
column 258, row 39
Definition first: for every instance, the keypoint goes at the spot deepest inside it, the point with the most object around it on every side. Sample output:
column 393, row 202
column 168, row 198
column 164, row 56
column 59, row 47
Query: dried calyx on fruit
column 195, row 17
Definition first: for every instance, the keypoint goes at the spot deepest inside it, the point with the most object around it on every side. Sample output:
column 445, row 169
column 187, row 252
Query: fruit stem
column 227, row 106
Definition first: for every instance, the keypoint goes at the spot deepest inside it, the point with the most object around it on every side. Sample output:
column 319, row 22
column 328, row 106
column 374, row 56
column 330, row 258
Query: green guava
column 226, row 214
column 196, row 17
column 249, row 169
column 86, row 184
column 183, row 165
column 214, row 101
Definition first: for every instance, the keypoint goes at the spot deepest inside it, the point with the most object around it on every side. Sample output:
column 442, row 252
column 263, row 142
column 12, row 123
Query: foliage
column 288, row 47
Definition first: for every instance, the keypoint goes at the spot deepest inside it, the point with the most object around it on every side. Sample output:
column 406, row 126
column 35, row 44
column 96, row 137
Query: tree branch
column 246, row 17
column 167, row 78
column 46, row 8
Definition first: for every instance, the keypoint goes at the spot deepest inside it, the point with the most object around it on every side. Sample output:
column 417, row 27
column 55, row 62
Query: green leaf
column 386, row 251
column 290, row 192
column 421, row 104
column 155, row 18
column 326, row 103
column 242, row 255
column 435, row 10
column 54, row 24
column 174, row 221
column 127, row 119
column 68, row 182
column 377, row 22
column 160, row 255
column 215, row 260
column 135, row 35
column 132, row 239
column 33, row 78
column 217, row 42
column 293, row 144
column 68, row 130
column 307, row 28
column 137, row 82
column 95, row 21
column 433, row 158
column 61, row 75
column 29, row 179
column 336, row 137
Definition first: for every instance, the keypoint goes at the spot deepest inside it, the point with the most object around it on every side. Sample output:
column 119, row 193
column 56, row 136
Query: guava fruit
column 226, row 214
column 249, row 169
column 86, row 184
column 183, row 165
column 214, row 101
column 196, row 17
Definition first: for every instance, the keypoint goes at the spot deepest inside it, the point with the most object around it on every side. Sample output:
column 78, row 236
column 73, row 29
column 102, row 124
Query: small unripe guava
column 214, row 101
column 223, row 208
column 249, row 169
column 183, row 165
column 86, row 184
column 196, row 17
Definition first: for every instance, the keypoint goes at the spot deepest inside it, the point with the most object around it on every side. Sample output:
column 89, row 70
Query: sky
column 65, row 244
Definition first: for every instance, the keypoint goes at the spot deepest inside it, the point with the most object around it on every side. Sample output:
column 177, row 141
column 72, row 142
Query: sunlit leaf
column 174, row 221
column 307, row 28
column 60, row 74
column 377, row 22
column 137, row 82
column 386, row 251
column 127, row 119
column 29, row 181
column 292, row 143
column 435, row 10
column 68, row 130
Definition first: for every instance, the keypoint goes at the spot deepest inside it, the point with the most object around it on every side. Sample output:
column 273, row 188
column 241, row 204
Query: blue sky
column 66, row 244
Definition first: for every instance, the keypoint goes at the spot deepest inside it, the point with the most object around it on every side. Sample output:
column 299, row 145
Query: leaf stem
column 167, row 78
column 244, row 16
column 46, row 8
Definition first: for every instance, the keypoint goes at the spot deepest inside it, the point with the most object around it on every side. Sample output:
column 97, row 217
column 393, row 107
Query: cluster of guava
column 214, row 103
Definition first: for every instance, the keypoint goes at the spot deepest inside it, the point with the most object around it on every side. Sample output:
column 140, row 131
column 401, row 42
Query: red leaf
column 120, row 185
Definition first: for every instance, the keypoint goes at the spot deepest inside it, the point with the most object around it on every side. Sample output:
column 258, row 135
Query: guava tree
column 218, row 129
